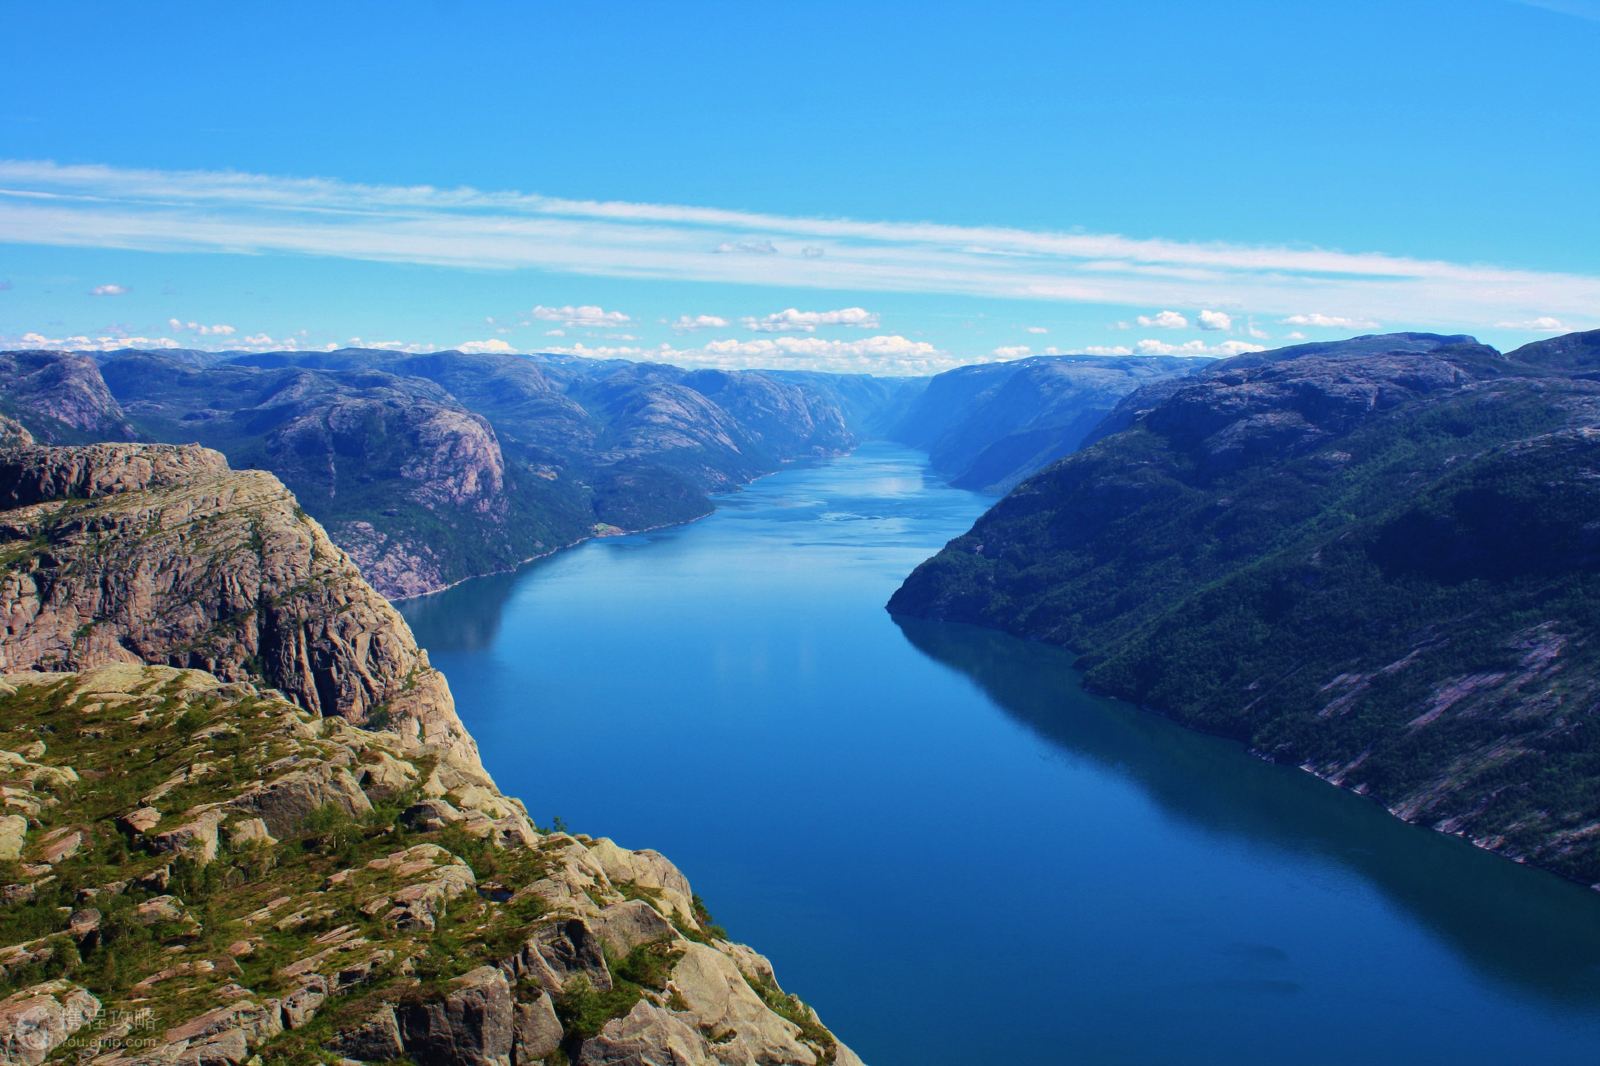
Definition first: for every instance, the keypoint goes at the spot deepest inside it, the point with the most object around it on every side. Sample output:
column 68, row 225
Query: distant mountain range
column 433, row 468
column 429, row 469
column 987, row 427
column 1378, row 559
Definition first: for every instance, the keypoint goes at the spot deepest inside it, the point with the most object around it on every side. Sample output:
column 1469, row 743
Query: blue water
column 953, row 852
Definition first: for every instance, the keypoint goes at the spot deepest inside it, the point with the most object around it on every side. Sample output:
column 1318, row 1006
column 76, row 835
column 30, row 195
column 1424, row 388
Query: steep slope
column 1379, row 561
column 62, row 396
column 198, row 870
column 162, row 554
column 987, row 427
column 407, row 480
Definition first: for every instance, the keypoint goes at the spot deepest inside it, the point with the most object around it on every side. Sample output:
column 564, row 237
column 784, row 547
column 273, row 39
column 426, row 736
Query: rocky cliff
column 162, row 554
column 199, row 869
column 1378, row 560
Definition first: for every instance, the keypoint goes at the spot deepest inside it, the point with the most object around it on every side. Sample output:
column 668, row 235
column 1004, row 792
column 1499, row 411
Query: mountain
column 433, row 468
column 241, row 823
column 1378, row 560
column 61, row 396
column 987, row 427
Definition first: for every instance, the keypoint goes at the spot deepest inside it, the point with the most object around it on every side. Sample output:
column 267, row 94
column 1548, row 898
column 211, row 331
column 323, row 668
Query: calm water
column 951, row 850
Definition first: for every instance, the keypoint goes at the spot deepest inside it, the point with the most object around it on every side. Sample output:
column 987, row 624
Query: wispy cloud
column 101, row 206
column 1583, row 9
column 109, row 290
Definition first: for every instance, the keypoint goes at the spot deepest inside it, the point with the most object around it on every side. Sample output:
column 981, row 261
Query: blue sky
column 886, row 187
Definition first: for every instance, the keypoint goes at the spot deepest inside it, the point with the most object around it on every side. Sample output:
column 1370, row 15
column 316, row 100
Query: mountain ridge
column 1370, row 563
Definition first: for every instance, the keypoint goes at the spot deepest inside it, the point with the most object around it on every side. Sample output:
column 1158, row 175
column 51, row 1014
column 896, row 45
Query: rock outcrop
column 162, row 554
column 1377, row 560
column 255, row 884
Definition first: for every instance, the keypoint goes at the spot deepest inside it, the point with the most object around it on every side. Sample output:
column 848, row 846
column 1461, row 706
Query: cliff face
column 1378, row 561
column 64, row 395
column 434, row 468
column 198, row 869
column 162, row 554
column 987, row 427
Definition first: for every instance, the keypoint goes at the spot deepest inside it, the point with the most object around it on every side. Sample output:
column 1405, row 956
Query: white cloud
column 1107, row 349
column 218, row 330
column 1542, row 324
column 84, row 343
column 1216, row 320
column 884, row 354
column 587, row 316
column 792, row 320
column 1256, row 331
column 1322, row 321
column 555, row 333
column 1014, row 351
column 690, row 323
column 1155, row 347
column 108, row 290
column 1037, row 330
column 747, row 248
column 239, row 213
column 1164, row 320
column 1296, row 335
column 488, row 347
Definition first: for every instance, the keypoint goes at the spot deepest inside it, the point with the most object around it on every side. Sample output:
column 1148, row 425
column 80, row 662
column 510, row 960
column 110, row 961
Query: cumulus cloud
column 587, row 316
column 884, row 354
column 1164, row 320
column 1108, row 349
column 555, row 333
column 1216, row 320
column 1322, row 321
column 690, row 323
column 1226, row 348
column 1013, row 351
column 1542, row 324
column 1037, row 330
column 218, row 330
column 80, row 342
column 108, row 290
column 491, row 346
column 793, row 320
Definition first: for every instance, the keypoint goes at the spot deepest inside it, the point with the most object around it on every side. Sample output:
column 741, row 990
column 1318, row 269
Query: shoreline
column 514, row 567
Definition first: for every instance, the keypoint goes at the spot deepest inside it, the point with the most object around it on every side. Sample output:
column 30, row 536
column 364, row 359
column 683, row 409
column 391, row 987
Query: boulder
column 285, row 803
column 13, row 832
column 472, row 1025
column 557, row 953
column 37, row 1020
column 535, row 1031
column 648, row 1034
column 624, row 926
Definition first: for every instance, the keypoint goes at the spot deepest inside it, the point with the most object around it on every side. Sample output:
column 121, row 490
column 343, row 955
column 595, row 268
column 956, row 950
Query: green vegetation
column 1404, row 600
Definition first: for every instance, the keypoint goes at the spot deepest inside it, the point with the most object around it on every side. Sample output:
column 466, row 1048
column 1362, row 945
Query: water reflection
column 1514, row 924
